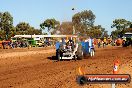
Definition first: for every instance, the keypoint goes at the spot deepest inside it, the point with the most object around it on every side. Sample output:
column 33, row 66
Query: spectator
column 103, row 43
column 99, row 43
column 12, row 45
column 9, row 44
column 3, row 44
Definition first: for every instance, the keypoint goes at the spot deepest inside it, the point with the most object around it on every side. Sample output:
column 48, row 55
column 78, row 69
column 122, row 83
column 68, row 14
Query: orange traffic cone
column 116, row 67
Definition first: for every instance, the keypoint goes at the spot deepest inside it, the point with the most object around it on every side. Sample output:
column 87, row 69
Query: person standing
column 98, row 43
column 3, row 45
column 103, row 44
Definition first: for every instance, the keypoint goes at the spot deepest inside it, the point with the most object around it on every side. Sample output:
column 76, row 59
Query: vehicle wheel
column 75, row 57
column 92, row 53
column 79, row 53
column 58, row 55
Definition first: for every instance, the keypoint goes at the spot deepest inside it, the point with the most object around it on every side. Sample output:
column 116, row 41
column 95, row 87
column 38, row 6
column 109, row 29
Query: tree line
column 82, row 23
column 7, row 30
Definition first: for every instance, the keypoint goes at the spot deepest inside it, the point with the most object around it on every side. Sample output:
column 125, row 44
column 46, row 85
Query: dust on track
column 35, row 70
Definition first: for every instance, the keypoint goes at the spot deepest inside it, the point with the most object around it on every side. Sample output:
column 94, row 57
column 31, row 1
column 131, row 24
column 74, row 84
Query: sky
column 35, row 12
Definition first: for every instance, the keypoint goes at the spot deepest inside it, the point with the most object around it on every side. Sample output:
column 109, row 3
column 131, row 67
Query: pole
column 73, row 29
column 73, row 9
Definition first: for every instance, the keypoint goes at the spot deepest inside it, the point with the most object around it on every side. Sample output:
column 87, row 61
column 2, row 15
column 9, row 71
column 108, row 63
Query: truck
column 127, row 39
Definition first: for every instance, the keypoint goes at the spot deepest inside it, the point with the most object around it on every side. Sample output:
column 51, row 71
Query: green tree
column 97, row 32
column 37, row 31
column 83, row 21
column 1, row 34
column 50, row 24
column 129, row 29
column 12, row 32
column 84, row 24
column 65, row 28
column 25, row 28
column 105, row 34
column 22, row 28
column 122, row 26
column 32, row 31
column 6, row 24
column 115, row 33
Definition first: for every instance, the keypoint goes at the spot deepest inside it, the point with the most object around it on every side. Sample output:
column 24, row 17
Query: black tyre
column 58, row 57
column 75, row 58
column 79, row 53
column 92, row 52
column 58, row 54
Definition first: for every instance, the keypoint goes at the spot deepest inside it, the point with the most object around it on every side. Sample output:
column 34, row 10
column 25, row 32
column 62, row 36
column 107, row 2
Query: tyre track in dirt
column 61, row 74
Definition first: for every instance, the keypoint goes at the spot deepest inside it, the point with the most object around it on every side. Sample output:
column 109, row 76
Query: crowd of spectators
column 16, row 44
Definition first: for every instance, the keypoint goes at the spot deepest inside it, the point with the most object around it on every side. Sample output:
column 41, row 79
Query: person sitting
column 70, row 45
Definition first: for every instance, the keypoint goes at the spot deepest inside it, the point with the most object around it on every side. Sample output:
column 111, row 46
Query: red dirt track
column 33, row 68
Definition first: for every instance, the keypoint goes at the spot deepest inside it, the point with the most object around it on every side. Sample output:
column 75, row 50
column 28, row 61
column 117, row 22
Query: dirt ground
column 34, row 68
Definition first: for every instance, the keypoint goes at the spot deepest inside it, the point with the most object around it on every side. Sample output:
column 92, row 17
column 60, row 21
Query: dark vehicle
column 127, row 39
